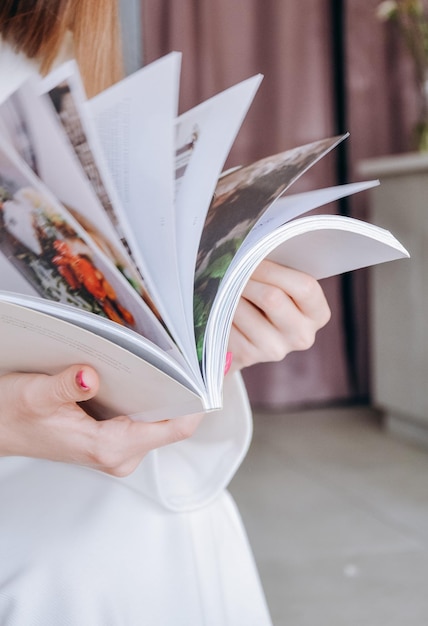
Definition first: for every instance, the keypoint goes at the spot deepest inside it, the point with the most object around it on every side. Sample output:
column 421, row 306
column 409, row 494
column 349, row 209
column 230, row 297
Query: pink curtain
column 291, row 43
column 381, row 94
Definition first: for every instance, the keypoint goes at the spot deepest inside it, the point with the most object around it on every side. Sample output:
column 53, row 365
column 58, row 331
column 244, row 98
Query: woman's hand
column 280, row 311
column 40, row 417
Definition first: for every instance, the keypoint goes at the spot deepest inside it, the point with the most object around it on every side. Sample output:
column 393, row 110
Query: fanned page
column 29, row 119
column 135, row 125
column 337, row 243
column 57, row 257
column 65, row 90
column 241, row 198
column 290, row 206
column 204, row 136
column 320, row 245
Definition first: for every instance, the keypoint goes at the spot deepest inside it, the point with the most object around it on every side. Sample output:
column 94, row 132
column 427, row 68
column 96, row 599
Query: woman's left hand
column 280, row 311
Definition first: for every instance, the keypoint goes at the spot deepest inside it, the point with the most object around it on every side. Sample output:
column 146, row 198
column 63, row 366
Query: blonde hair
column 39, row 27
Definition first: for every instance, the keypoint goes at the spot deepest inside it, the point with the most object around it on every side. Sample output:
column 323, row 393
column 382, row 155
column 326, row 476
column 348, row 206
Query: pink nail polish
column 228, row 363
column 80, row 381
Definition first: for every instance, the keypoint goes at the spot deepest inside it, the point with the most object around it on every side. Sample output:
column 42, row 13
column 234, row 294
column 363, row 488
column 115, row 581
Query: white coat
column 162, row 547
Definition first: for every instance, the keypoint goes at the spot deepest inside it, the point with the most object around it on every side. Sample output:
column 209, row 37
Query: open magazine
column 124, row 245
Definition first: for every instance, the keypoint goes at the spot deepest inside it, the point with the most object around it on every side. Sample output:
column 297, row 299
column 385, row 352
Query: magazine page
column 11, row 279
column 34, row 342
column 172, row 363
column 135, row 124
column 44, row 242
column 337, row 244
column 241, row 198
column 283, row 210
column 33, row 129
column 320, row 245
column 290, row 206
column 204, row 137
column 65, row 89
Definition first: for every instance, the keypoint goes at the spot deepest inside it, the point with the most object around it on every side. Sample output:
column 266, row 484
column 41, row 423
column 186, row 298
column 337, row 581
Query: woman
column 152, row 537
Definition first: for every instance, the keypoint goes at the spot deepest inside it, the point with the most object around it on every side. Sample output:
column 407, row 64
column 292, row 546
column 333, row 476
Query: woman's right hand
column 40, row 418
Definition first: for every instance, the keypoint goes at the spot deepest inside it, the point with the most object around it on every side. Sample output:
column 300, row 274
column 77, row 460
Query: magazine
column 124, row 244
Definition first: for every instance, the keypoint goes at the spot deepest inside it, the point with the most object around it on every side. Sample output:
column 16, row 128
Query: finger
column 121, row 443
column 304, row 290
column 74, row 384
column 245, row 351
column 159, row 434
column 264, row 305
column 255, row 338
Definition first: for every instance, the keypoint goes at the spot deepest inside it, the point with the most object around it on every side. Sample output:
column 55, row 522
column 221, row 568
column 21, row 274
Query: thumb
column 74, row 384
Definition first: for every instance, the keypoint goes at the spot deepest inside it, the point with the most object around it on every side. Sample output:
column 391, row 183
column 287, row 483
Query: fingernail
column 81, row 382
column 228, row 363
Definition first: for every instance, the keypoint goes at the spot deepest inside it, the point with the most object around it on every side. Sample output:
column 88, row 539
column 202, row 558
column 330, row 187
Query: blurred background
column 336, row 508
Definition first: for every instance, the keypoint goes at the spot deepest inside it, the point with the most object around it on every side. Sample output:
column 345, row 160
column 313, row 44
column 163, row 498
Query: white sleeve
column 191, row 473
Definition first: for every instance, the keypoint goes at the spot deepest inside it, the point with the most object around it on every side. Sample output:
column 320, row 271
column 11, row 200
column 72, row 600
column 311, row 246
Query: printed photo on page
column 48, row 246
column 29, row 119
column 240, row 199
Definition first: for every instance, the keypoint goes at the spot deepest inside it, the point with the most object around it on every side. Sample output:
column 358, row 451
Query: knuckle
column 308, row 287
column 275, row 349
column 25, row 398
column 326, row 315
column 112, row 460
column 273, row 298
column 304, row 340
column 278, row 351
column 60, row 390
column 104, row 452
column 249, row 355
column 123, row 469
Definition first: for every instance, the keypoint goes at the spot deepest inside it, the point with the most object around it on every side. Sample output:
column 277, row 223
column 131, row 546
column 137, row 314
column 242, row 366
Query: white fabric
column 190, row 474
column 80, row 549
column 163, row 547
column 14, row 69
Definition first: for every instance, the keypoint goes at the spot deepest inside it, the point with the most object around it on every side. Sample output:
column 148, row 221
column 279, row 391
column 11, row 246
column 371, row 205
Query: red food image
column 79, row 271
